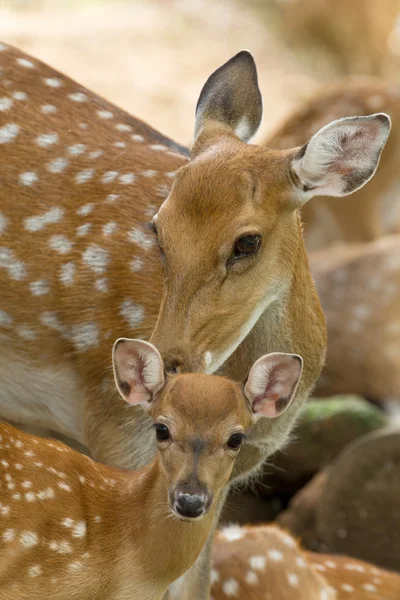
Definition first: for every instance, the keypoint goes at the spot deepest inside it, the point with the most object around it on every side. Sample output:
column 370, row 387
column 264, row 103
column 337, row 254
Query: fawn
column 222, row 280
column 73, row 528
column 265, row 562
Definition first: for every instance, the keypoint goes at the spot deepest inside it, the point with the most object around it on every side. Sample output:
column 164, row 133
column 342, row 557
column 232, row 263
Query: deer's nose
column 191, row 505
column 173, row 365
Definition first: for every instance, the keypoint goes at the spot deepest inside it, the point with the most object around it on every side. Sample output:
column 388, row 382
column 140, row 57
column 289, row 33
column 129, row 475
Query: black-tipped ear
column 231, row 97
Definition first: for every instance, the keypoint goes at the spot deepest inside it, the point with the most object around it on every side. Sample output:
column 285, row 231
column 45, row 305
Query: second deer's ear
column 231, row 98
column 272, row 383
column 138, row 371
column 341, row 157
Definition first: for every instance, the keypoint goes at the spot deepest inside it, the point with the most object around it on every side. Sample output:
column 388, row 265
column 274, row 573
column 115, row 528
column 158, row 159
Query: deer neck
column 161, row 546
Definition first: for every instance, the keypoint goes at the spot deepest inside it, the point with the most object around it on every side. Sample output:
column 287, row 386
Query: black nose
column 173, row 365
column 191, row 505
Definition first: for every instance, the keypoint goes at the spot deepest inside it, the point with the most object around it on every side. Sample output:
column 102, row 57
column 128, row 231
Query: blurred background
column 336, row 485
column 151, row 57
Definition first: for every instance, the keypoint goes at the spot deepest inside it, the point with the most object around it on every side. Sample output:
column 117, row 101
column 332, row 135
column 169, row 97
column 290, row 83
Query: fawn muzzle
column 190, row 502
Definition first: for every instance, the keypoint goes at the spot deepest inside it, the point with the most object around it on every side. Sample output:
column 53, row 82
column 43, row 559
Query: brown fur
column 297, row 574
column 372, row 210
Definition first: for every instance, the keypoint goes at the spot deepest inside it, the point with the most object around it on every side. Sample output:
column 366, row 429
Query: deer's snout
column 190, row 503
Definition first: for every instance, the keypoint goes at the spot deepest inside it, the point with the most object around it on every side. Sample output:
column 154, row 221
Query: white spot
column 26, row 484
column 136, row 264
column 301, row 562
column 82, row 479
column 28, row 64
column 20, row 96
column 30, row 497
column 83, row 230
column 67, row 522
column 120, row 145
column 28, row 178
column 48, row 493
column 64, row 486
column 8, row 535
column 79, row 530
column 3, row 222
column 96, row 258
column 258, row 562
column 137, row 138
column 330, row 564
column 275, row 555
column 4, row 510
column 96, row 154
column 83, row 125
column 78, row 97
column 76, row 149
column 47, row 109
column 347, row 588
column 230, row 587
column 5, row 104
column 289, row 541
column 123, row 127
column 57, row 165
column 49, row 319
column 293, row 579
column 97, row 519
column 325, row 595
column 137, row 236
column 53, row 82
column 47, row 139
column 171, row 174
column 8, row 133
column 86, row 209
column 16, row 496
column 158, row 147
column 37, row 222
column 105, row 114
column 75, row 566
column 149, row 173
column 368, row 587
column 163, row 190
column 10, row 486
column 251, row 578
column 3, row 47
column 18, row 466
column 16, row 268
column 354, row 567
column 28, row 539
column 110, row 228
column 60, row 243
column 35, row 571
column 29, row 453
column 132, row 313
column 101, row 285
column 109, row 176
column 67, row 273
column 111, row 198
column 5, row 319
column 232, row 533
column 84, row 175
column 84, row 336
column 127, row 178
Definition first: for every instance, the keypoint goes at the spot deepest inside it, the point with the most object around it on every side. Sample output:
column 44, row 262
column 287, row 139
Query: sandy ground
column 152, row 57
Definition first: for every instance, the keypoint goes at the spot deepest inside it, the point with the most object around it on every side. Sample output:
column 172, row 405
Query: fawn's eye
column 235, row 441
column 162, row 432
column 246, row 246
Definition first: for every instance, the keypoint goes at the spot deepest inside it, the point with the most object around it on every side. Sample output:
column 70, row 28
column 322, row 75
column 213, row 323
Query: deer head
column 201, row 420
column 229, row 232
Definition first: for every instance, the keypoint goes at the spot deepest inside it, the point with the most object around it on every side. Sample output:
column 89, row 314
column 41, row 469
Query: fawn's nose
column 173, row 365
column 191, row 506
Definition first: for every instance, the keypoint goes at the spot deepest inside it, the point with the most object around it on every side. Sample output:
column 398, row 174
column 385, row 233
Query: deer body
column 73, row 528
column 266, row 563
column 80, row 180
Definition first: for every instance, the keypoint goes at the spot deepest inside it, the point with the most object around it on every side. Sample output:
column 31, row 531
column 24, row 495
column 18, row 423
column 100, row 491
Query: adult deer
column 79, row 180
column 373, row 210
column 85, row 530
column 265, row 562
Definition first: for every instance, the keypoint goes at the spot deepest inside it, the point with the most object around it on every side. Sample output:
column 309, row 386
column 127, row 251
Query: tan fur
column 372, row 210
column 266, row 563
column 65, row 323
column 359, row 287
column 71, row 528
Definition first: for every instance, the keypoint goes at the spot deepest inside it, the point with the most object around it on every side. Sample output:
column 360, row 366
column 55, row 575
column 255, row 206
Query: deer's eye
column 162, row 432
column 235, row 441
column 246, row 246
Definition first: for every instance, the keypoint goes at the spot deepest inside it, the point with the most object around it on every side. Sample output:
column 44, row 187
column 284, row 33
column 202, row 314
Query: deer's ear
column 231, row 98
column 138, row 371
column 272, row 383
column 341, row 157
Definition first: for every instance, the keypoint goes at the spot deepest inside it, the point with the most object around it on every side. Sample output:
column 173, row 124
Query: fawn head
column 201, row 420
column 229, row 231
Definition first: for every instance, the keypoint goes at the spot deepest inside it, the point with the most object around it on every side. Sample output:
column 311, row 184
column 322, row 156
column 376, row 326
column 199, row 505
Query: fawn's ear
column 272, row 383
column 138, row 371
column 341, row 157
column 231, row 98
